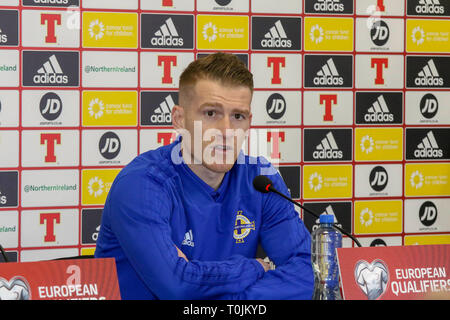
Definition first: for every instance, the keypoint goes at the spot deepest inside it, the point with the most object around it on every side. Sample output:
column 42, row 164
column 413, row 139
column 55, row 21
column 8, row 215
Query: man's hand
column 265, row 265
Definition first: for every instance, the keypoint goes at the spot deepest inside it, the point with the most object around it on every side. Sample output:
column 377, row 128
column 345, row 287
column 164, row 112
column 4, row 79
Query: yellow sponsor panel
column 110, row 108
column 427, row 35
column 110, row 30
column 328, row 34
column 428, row 239
column 327, row 182
column 378, row 144
column 427, row 179
column 87, row 251
column 222, row 32
column 96, row 184
column 373, row 217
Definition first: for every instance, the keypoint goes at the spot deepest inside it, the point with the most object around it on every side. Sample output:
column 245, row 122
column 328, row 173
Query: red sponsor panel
column 82, row 279
column 395, row 273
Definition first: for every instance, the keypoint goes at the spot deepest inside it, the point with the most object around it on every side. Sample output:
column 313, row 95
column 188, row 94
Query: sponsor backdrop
column 351, row 105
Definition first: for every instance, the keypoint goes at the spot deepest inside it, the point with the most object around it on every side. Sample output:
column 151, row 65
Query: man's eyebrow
column 211, row 104
column 244, row 111
column 219, row 105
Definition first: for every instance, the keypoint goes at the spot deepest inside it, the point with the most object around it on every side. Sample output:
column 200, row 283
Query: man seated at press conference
column 184, row 221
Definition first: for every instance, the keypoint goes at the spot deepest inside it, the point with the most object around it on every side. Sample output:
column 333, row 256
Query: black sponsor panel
column 380, row 108
column 167, row 31
column 9, row 192
column 341, row 210
column 427, row 72
column 51, row 3
column 90, row 225
column 329, row 6
column 276, row 33
column 328, row 71
column 51, row 69
column 9, row 28
column 242, row 56
column 11, row 255
column 428, row 8
column 291, row 176
column 156, row 107
column 427, row 144
column 327, row 145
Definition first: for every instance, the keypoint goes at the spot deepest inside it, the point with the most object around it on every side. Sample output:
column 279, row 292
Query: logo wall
column 350, row 105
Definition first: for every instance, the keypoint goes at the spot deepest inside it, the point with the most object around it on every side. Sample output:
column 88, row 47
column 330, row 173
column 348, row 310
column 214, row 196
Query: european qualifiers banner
column 84, row 279
column 395, row 273
column 350, row 104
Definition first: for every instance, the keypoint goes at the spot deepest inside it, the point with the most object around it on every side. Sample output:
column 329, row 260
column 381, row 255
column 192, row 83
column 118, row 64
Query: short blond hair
column 224, row 67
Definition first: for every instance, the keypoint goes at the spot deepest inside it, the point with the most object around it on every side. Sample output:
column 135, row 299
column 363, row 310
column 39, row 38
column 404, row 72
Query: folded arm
column 140, row 222
column 288, row 244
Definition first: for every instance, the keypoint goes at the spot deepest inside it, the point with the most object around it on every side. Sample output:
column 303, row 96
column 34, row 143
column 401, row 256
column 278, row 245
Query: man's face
column 215, row 120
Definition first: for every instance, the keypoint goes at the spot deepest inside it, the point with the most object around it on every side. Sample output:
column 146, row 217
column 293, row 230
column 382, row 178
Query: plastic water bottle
column 324, row 241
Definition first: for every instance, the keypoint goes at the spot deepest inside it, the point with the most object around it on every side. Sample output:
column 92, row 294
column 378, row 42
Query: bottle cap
column 326, row 218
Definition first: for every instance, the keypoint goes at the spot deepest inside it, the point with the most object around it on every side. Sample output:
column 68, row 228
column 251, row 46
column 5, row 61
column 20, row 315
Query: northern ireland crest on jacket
column 242, row 227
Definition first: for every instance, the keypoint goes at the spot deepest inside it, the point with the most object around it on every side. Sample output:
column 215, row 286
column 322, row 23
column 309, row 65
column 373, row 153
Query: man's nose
column 224, row 125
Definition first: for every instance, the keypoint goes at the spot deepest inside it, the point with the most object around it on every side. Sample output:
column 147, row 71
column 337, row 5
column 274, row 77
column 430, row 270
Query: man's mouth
column 223, row 148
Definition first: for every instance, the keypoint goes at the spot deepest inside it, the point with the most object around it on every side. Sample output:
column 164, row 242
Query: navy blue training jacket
column 155, row 204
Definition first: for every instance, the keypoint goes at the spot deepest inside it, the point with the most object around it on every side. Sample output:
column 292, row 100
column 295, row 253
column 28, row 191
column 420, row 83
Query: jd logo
column 379, row 33
column 429, row 106
column 109, row 145
column 428, row 213
column 378, row 178
column 223, row 2
column 276, row 106
column 50, row 106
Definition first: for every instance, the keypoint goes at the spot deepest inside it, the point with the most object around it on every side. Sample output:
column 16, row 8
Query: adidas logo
column 429, row 6
column 3, row 37
column 163, row 114
column 188, row 239
column 328, row 148
column 429, row 76
column 428, row 148
column 379, row 112
column 50, row 73
column 276, row 37
column 329, row 5
column 328, row 75
column 167, row 35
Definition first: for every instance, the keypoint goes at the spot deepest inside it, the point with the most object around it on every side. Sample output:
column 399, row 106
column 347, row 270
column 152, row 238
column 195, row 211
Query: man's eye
column 239, row 116
column 210, row 113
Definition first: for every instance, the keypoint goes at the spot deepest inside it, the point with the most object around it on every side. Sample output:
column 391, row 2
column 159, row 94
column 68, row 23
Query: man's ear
column 178, row 117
